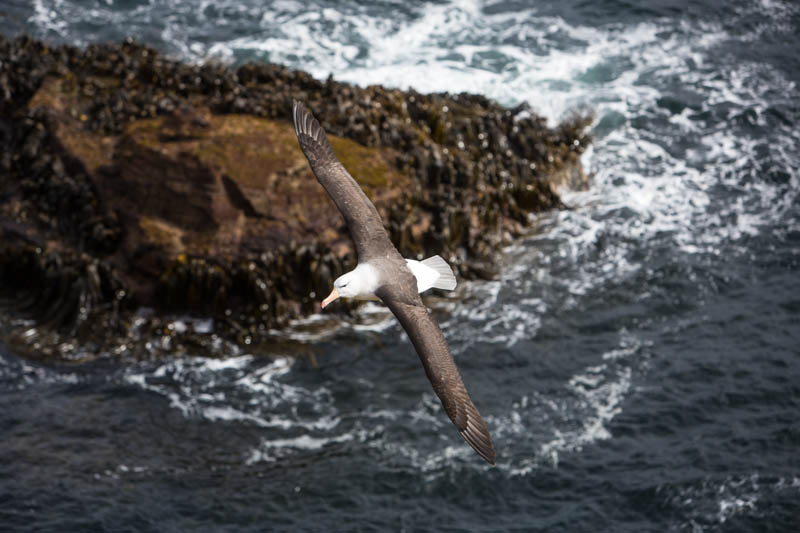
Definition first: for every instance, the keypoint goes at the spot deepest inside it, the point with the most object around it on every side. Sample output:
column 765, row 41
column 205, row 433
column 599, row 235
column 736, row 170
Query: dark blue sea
column 637, row 359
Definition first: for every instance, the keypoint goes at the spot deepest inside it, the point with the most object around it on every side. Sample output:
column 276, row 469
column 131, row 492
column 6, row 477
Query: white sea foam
column 241, row 389
column 370, row 318
column 18, row 374
column 46, row 15
column 580, row 416
column 714, row 501
column 272, row 450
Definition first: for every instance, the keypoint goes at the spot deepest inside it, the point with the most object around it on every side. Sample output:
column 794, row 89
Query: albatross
column 384, row 274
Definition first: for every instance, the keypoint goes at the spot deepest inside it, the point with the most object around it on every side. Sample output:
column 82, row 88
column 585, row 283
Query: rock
column 131, row 181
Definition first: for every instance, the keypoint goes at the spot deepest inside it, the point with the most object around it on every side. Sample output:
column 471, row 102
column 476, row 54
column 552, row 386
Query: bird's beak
column 331, row 297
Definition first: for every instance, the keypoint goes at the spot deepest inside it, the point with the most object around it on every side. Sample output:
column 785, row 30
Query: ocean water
column 637, row 360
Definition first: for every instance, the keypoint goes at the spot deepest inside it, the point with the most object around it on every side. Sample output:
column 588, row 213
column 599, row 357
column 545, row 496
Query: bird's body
column 384, row 274
column 362, row 282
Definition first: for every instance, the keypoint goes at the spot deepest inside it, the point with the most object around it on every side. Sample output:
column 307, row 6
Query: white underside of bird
column 362, row 282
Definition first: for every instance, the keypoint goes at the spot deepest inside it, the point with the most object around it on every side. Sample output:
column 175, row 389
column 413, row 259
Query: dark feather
column 427, row 338
column 363, row 220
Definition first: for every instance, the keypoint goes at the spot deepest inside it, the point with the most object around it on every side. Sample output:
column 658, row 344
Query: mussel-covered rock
column 130, row 181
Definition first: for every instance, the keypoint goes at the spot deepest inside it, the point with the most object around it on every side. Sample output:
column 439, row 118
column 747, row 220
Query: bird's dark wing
column 360, row 215
column 440, row 368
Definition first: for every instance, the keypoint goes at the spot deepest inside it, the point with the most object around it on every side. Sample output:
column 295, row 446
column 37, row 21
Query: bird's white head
column 361, row 283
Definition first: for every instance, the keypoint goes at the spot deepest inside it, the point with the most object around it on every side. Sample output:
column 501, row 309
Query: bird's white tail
column 446, row 280
column 432, row 273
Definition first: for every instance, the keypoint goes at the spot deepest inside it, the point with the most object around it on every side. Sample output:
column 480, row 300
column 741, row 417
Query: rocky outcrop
column 128, row 180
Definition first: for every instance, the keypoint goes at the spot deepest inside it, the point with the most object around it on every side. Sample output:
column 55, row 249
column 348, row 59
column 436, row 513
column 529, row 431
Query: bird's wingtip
column 492, row 459
column 477, row 436
column 485, row 450
column 303, row 119
column 296, row 106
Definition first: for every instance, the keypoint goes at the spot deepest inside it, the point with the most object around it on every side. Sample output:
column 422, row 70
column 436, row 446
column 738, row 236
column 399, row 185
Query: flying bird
column 383, row 273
